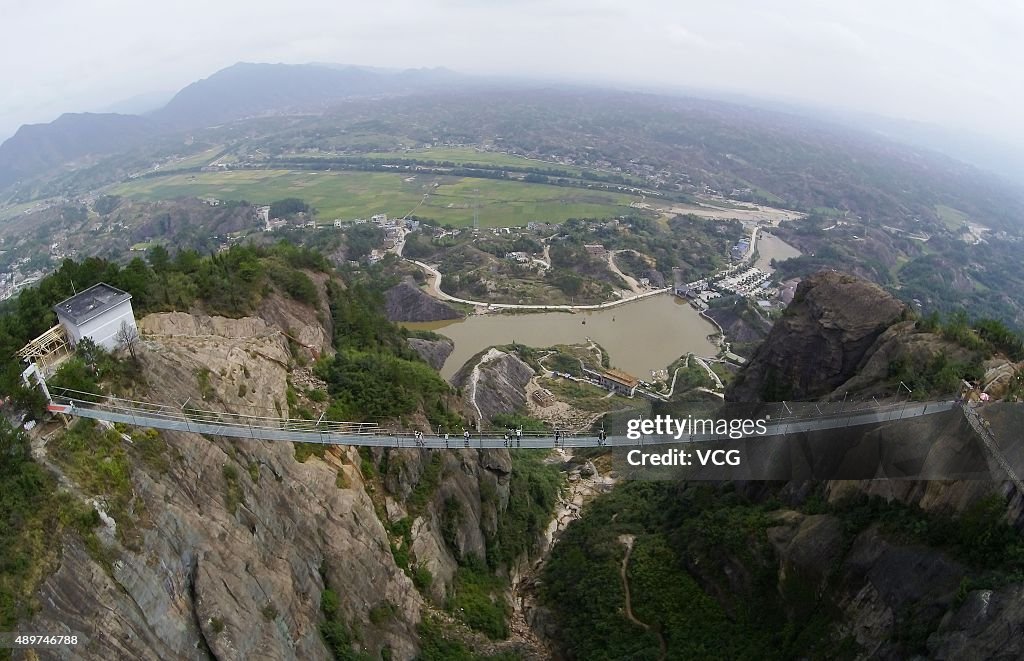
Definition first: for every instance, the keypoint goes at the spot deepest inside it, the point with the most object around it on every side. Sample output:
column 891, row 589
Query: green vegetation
column 518, row 421
column 382, row 612
column 230, row 283
column 288, row 207
column 428, row 483
column 375, row 375
column 150, row 446
column 203, row 383
column 979, row 537
column 684, row 584
column 336, row 634
column 466, row 157
column 34, row 517
column 478, row 599
column 942, row 373
column 676, row 528
column 435, row 645
column 97, row 461
column 584, row 395
column 233, row 494
column 533, row 493
column 360, row 194
column 304, row 451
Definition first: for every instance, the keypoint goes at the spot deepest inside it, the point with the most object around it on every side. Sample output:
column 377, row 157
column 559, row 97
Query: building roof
column 91, row 303
column 621, row 377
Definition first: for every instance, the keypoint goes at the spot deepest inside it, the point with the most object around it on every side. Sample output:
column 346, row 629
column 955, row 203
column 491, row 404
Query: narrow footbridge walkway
column 778, row 419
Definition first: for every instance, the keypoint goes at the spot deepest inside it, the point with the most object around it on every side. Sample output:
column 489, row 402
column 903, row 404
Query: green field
column 348, row 195
column 952, row 218
column 195, row 160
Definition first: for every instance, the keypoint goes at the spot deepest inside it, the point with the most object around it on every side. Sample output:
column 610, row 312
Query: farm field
column 348, row 195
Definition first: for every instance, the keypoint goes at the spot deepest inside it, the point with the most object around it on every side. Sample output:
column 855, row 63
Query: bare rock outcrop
column 493, row 383
column 405, row 302
column 820, row 342
column 434, row 352
column 237, row 540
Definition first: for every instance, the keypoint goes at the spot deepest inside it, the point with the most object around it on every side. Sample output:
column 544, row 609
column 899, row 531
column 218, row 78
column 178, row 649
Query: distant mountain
column 239, row 91
column 246, row 90
column 140, row 104
column 36, row 148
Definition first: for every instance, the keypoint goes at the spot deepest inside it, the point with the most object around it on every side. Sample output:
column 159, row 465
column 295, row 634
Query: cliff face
column 493, row 383
column 892, row 596
column 405, row 302
column 820, row 342
column 434, row 352
column 237, row 539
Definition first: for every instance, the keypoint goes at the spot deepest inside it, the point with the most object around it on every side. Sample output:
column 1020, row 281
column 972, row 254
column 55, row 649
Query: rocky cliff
column 894, row 593
column 234, row 542
column 821, row 341
column 493, row 382
column 405, row 302
column 434, row 352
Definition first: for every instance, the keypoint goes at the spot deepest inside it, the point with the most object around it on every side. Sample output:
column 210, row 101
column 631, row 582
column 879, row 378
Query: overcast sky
column 947, row 62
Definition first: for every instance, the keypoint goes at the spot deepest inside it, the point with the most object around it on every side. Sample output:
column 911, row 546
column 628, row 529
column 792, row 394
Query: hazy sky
column 952, row 63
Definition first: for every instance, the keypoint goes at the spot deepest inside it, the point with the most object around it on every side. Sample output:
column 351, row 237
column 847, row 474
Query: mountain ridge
column 235, row 92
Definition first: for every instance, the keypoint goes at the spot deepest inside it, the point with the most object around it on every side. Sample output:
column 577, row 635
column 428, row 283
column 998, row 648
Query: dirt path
column 630, row 281
column 627, row 541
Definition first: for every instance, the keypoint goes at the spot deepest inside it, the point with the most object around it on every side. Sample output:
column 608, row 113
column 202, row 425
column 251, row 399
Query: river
column 639, row 337
column 771, row 247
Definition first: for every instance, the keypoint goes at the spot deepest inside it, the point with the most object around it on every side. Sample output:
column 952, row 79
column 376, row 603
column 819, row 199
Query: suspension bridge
column 778, row 419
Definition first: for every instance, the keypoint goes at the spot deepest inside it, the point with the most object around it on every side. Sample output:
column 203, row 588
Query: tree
column 128, row 337
column 159, row 258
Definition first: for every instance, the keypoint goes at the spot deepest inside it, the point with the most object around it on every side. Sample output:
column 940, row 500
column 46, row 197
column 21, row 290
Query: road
column 434, row 286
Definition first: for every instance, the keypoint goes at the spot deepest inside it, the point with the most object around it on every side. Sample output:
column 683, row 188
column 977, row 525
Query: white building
column 97, row 313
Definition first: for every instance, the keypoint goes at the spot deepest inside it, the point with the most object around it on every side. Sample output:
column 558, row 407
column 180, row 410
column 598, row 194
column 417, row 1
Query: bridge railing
column 140, row 411
column 781, row 417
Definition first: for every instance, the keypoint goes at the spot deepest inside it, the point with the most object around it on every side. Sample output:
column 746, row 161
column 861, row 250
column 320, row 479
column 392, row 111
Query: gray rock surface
column 405, row 302
column 238, row 539
column 821, row 340
column 434, row 352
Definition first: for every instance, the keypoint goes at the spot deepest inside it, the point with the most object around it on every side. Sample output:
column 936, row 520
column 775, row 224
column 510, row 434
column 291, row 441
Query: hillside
column 38, row 148
column 248, row 89
column 910, row 549
column 186, row 542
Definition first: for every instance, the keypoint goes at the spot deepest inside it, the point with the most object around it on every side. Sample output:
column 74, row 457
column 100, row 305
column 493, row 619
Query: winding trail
column 434, row 288
column 627, row 541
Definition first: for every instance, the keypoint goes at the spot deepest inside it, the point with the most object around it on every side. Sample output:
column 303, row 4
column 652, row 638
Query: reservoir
column 639, row 337
column 771, row 247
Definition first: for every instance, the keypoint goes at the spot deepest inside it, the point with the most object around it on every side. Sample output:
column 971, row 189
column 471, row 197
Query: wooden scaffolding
column 48, row 350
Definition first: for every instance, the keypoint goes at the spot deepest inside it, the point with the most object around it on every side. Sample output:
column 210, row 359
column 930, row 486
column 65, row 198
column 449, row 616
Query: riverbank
column 645, row 336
